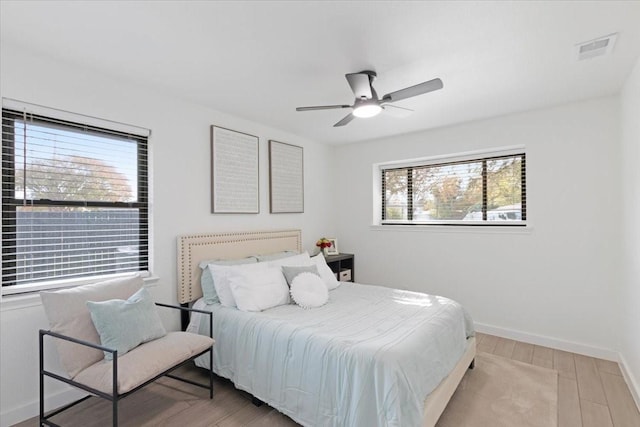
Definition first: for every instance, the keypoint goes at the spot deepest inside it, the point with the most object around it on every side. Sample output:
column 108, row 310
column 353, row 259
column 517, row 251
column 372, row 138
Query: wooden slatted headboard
column 193, row 249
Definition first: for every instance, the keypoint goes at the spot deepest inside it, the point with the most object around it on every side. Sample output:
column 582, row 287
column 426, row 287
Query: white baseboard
column 587, row 350
column 32, row 409
column 632, row 381
column 573, row 347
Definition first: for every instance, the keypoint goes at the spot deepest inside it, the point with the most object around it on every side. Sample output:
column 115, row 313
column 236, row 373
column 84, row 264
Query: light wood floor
column 591, row 393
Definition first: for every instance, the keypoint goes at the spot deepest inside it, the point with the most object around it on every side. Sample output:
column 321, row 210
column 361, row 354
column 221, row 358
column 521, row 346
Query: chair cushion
column 68, row 315
column 125, row 324
column 144, row 362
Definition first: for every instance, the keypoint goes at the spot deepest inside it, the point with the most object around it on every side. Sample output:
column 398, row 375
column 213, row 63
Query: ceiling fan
column 367, row 103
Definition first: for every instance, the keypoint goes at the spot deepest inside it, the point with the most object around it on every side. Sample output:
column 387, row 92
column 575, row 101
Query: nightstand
column 342, row 265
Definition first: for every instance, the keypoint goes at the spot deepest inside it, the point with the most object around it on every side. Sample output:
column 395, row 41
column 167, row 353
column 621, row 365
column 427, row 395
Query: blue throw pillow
column 124, row 325
column 208, row 289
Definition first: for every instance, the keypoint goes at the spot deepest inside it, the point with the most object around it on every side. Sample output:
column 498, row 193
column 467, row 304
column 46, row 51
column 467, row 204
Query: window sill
column 467, row 229
column 32, row 298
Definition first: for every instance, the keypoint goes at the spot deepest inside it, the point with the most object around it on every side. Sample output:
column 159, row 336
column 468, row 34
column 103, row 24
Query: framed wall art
column 234, row 172
column 286, row 178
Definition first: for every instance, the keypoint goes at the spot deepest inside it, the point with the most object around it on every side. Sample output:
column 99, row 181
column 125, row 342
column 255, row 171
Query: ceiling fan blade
column 345, row 120
column 416, row 90
column 360, row 85
column 322, row 107
column 395, row 111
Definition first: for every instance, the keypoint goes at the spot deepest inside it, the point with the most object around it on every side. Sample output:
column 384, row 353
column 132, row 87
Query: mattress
column 369, row 357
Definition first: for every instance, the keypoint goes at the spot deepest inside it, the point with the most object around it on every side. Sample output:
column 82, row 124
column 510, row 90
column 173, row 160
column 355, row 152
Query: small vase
column 325, row 251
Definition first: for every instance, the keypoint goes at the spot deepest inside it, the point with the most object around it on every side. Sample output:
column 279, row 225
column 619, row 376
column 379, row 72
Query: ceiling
column 261, row 60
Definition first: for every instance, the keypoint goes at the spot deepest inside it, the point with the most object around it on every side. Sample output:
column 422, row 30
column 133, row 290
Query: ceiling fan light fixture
column 367, row 110
column 367, row 104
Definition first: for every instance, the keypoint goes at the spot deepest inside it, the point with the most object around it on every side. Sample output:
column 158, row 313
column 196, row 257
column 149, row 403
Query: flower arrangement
column 323, row 243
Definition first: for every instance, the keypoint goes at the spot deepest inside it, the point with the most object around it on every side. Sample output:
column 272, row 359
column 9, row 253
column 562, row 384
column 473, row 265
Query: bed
column 330, row 366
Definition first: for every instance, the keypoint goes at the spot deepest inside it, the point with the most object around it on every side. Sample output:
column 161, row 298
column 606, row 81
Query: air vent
column 597, row 47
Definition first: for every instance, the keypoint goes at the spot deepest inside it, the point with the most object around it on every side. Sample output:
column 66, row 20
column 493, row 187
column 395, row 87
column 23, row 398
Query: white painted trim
column 559, row 344
column 67, row 283
column 430, row 228
column 631, row 381
column 55, row 113
column 32, row 409
column 17, row 302
column 453, row 157
column 32, row 299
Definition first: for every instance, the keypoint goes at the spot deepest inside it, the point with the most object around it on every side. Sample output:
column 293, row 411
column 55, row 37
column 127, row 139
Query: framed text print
column 234, row 172
column 286, row 178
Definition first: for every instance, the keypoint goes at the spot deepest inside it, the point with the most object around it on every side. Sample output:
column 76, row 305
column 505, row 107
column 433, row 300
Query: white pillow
column 292, row 261
column 308, row 290
column 221, row 274
column 259, row 289
column 326, row 274
column 206, row 279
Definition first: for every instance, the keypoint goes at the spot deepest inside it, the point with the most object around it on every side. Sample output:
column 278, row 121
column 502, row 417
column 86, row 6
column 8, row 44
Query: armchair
column 85, row 359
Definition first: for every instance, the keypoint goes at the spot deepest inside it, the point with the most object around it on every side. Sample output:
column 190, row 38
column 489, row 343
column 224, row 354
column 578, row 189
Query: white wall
column 557, row 282
column 630, row 115
column 180, row 156
column 561, row 280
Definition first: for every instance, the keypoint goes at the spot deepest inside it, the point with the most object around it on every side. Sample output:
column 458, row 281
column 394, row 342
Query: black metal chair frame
column 114, row 397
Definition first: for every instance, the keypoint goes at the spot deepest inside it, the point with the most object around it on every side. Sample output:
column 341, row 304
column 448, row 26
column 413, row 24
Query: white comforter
column 367, row 358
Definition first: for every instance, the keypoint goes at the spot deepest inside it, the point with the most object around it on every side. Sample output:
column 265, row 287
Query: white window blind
column 477, row 191
column 74, row 200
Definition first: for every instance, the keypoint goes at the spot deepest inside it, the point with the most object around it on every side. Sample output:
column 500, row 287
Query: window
column 471, row 191
column 74, row 201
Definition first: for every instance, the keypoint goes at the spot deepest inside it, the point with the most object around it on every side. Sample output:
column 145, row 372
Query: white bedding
column 369, row 357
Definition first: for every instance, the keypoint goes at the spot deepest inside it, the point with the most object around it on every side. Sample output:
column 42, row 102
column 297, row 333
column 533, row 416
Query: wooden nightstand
column 343, row 265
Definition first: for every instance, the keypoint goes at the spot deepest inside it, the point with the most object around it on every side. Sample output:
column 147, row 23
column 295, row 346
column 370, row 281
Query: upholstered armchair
column 111, row 342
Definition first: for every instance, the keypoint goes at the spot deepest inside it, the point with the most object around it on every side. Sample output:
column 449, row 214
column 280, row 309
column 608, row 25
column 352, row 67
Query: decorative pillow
column 124, row 325
column 68, row 314
column 206, row 280
column 258, row 290
column 327, row 275
column 308, row 290
column 291, row 272
column 221, row 274
column 275, row 256
column 296, row 260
